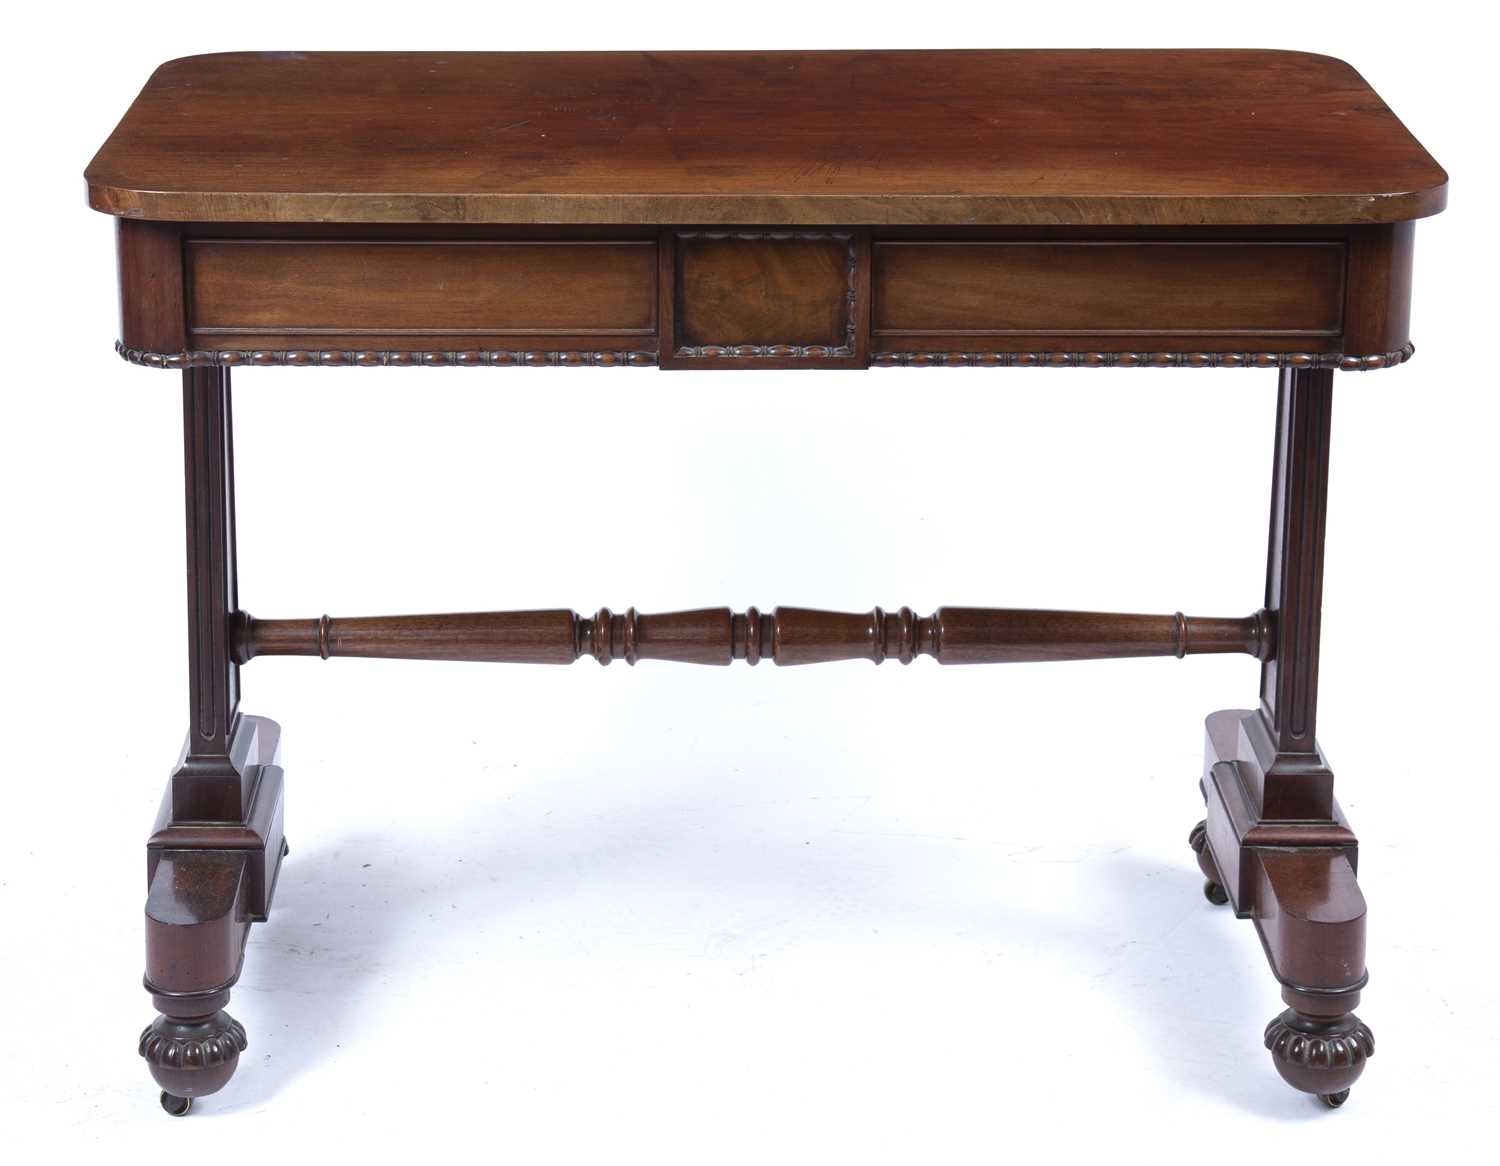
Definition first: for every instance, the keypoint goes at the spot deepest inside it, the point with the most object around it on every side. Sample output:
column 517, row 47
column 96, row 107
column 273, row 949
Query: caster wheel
column 1213, row 889
column 1334, row 1100
column 176, row 1106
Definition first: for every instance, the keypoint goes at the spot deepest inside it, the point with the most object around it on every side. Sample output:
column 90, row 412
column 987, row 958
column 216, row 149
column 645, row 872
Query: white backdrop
column 682, row 915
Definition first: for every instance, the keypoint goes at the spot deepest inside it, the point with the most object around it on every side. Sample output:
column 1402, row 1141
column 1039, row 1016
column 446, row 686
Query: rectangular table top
column 1015, row 137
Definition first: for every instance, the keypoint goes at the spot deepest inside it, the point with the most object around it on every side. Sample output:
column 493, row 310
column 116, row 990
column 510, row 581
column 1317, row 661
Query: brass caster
column 1334, row 1100
column 176, row 1106
column 1213, row 889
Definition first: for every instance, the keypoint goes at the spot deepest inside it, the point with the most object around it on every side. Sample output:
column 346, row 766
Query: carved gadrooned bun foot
column 192, row 1058
column 1317, row 1056
column 1213, row 889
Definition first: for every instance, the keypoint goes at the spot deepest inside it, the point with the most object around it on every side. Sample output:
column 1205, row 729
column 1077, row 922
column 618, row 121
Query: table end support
column 1296, row 881
column 208, row 881
column 196, row 924
column 1275, row 845
column 215, row 852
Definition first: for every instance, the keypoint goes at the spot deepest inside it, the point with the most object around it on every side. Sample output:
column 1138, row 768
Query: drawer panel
column 454, row 290
column 1103, row 289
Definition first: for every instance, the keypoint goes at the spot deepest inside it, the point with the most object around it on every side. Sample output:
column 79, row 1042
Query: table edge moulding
column 1186, row 209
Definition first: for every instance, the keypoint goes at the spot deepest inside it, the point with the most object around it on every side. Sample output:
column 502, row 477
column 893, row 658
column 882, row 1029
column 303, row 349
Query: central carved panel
column 778, row 295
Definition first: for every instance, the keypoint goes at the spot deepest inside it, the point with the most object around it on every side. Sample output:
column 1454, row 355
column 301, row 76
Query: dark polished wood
column 1202, row 209
column 967, row 291
column 245, row 292
column 214, row 855
column 195, row 934
column 1275, row 842
column 1377, row 288
column 210, row 783
column 1295, row 781
column 787, row 635
column 977, row 136
column 340, row 294
column 744, row 298
column 152, row 313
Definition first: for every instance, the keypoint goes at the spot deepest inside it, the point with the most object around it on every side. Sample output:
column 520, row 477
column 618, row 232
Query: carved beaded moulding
column 1334, row 360
column 778, row 350
column 344, row 358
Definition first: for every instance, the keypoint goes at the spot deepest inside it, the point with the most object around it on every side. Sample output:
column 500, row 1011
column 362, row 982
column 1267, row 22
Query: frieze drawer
column 1080, row 296
column 480, row 295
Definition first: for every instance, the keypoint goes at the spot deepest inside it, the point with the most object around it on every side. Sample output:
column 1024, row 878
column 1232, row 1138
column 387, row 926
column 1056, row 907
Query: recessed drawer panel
column 1105, row 289
column 456, row 289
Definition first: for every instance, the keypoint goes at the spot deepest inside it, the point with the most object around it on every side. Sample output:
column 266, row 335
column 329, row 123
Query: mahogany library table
column 1217, row 209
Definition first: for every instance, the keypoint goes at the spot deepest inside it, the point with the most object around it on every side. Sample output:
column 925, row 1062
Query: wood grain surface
column 735, row 290
column 460, row 288
column 1084, row 137
column 1108, row 289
